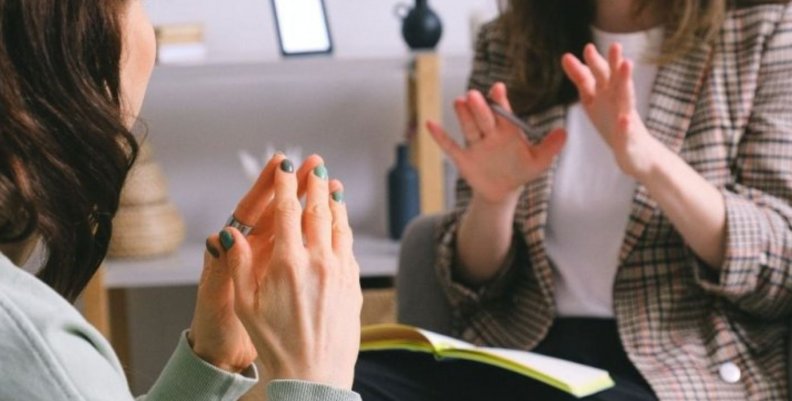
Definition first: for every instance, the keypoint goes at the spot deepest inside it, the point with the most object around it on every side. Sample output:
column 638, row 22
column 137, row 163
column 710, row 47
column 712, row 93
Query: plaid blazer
column 726, row 108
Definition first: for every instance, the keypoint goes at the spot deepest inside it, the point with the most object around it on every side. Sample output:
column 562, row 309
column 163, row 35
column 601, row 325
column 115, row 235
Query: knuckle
column 318, row 212
column 342, row 230
column 324, row 262
column 288, row 206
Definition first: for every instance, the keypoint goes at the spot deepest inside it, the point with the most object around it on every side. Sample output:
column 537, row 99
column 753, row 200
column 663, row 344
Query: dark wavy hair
column 64, row 148
column 539, row 32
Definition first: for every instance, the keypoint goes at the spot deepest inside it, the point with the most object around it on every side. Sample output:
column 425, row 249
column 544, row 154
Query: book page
column 441, row 342
column 572, row 373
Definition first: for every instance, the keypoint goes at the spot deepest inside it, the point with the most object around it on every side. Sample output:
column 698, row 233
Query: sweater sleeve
column 756, row 273
column 187, row 377
column 295, row 390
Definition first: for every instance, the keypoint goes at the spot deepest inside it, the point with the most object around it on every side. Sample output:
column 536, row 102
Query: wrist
column 648, row 160
column 206, row 356
column 507, row 202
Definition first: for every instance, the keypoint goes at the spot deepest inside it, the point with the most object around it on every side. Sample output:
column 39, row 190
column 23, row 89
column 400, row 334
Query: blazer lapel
column 671, row 106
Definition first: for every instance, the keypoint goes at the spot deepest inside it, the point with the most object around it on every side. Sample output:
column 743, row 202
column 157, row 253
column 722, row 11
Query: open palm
column 608, row 96
column 498, row 159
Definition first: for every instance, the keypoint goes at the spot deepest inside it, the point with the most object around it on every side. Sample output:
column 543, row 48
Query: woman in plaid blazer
column 702, row 294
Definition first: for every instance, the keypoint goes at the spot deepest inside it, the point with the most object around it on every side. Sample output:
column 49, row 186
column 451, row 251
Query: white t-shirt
column 591, row 198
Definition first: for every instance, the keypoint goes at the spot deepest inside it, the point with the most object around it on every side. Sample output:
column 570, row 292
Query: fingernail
column 212, row 250
column 321, row 171
column 338, row 196
column 226, row 239
column 287, row 166
column 279, row 153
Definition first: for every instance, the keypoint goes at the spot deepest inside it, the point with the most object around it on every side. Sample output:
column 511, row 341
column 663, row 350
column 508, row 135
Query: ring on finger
column 243, row 228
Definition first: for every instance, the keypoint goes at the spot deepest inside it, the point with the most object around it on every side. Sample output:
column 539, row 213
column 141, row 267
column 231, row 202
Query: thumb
column 214, row 274
column 236, row 256
column 498, row 94
column 545, row 152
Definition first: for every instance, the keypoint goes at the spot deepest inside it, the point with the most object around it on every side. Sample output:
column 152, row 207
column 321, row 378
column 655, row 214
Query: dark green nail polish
column 321, row 172
column 212, row 250
column 338, row 196
column 226, row 239
column 287, row 166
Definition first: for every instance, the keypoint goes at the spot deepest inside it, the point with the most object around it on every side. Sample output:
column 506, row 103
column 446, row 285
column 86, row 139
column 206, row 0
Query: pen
column 499, row 110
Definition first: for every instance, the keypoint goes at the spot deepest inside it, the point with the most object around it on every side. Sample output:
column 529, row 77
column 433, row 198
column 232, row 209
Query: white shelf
column 377, row 257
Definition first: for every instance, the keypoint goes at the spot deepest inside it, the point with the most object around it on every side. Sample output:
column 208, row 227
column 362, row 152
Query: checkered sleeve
column 758, row 262
column 459, row 294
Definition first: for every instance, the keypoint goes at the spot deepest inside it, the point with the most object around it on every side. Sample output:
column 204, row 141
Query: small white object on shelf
column 181, row 44
column 377, row 257
column 182, row 53
column 252, row 166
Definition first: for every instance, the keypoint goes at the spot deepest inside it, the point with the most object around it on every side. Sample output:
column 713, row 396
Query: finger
column 614, row 57
column 469, row 127
column 304, row 172
column 236, row 256
column 255, row 201
column 598, row 66
column 445, row 142
column 342, row 232
column 482, row 114
column 317, row 220
column 212, row 248
column 580, row 75
column 265, row 228
column 287, row 212
column 211, row 259
column 545, row 152
column 215, row 274
column 500, row 96
column 624, row 86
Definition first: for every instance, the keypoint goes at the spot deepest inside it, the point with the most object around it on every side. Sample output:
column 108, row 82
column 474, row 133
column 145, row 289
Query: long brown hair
column 539, row 32
column 64, row 149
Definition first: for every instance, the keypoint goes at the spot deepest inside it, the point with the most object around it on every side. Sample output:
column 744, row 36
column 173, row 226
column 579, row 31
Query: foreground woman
column 73, row 74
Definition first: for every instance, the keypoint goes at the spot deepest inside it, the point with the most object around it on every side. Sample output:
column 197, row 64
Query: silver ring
column 244, row 229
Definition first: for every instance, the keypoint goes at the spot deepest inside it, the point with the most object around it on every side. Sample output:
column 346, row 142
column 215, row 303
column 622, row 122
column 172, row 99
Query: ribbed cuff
column 296, row 390
column 187, row 377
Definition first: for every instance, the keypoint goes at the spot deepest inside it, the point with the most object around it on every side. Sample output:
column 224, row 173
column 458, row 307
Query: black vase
column 421, row 27
column 404, row 202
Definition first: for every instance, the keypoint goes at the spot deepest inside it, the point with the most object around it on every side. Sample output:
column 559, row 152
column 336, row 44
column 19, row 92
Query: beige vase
column 147, row 224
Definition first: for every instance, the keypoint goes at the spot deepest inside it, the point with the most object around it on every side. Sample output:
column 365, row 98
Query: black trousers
column 415, row 376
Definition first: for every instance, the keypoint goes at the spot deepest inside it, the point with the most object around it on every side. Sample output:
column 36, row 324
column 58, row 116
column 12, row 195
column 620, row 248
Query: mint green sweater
column 49, row 352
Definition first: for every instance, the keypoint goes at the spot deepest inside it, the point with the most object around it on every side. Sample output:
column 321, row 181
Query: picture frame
column 302, row 27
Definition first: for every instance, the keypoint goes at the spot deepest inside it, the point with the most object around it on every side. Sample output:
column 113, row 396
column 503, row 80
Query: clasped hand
column 289, row 292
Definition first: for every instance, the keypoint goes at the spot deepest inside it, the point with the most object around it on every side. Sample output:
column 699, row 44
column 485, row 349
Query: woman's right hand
column 296, row 281
column 498, row 159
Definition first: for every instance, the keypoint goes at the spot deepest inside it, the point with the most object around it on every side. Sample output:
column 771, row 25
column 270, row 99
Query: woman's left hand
column 216, row 333
column 607, row 94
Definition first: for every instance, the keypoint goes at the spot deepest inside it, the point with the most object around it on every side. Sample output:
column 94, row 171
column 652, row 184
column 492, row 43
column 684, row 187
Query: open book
column 573, row 378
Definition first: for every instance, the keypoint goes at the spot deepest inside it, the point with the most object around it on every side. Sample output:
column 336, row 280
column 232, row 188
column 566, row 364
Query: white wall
column 244, row 30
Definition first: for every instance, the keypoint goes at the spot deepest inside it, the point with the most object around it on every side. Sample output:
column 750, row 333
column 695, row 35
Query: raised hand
column 296, row 281
column 497, row 159
column 216, row 333
column 608, row 96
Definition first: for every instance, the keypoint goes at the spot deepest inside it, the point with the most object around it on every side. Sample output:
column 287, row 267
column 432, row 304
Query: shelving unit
column 377, row 257
column 424, row 102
